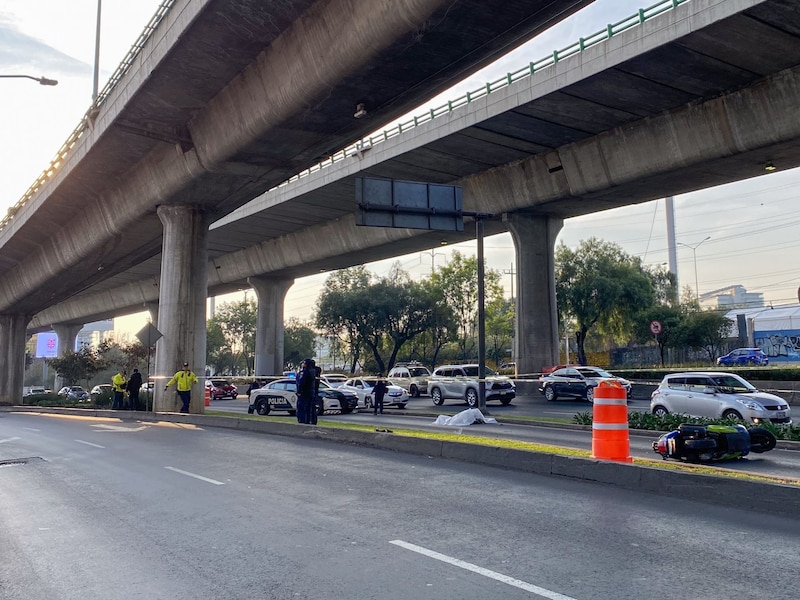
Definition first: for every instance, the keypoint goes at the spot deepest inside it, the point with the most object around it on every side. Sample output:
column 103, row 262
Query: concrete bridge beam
column 271, row 292
column 182, row 302
column 536, row 341
column 66, row 332
column 12, row 356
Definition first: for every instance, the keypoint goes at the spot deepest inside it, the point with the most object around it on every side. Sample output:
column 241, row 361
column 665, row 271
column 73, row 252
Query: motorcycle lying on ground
column 710, row 443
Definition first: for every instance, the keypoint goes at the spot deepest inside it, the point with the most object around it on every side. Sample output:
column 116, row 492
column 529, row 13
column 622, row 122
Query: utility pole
column 513, row 274
column 433, row 254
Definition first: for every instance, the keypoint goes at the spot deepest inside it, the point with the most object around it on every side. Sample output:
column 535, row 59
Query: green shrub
column 650, row 422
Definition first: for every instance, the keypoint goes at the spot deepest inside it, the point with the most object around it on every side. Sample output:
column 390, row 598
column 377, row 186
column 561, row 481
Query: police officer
column 183, row 381
column 305, row 392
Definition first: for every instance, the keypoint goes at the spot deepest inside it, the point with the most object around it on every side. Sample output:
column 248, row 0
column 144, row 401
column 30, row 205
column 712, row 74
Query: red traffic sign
column 655, row 327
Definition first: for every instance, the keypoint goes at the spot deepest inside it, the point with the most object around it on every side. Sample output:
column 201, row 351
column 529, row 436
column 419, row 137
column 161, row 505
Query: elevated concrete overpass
column 701, row 95
column 224, row 100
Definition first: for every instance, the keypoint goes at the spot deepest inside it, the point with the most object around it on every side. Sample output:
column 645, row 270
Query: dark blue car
column 743, row 356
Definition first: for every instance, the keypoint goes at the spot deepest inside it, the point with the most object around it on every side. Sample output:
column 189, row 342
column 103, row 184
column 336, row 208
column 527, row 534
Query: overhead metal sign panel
column 408, row 204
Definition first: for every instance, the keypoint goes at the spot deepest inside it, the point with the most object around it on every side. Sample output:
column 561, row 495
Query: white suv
column 412, row 377
column 460, row 382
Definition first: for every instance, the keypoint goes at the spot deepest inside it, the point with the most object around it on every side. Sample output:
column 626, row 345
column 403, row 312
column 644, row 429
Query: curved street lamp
column 41, row 80
column 694, row 254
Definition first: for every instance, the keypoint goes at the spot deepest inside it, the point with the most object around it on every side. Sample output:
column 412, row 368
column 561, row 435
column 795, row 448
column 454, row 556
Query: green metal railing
column 529, row 70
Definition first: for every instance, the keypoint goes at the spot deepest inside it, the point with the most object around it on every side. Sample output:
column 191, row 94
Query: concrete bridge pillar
column 182, row 303
column 537, row 339
column 66, row 332
column 12, row 356
column 271, row 292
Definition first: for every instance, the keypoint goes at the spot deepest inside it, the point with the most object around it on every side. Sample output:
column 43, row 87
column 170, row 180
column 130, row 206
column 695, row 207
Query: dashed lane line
column 517, row 583
column 195, row 475
column 90, row 444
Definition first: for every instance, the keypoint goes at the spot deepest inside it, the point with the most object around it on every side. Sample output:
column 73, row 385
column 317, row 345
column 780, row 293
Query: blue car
column 743, row 356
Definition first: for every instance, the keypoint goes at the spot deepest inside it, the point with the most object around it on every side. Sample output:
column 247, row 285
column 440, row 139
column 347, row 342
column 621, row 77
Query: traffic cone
column 208, row 396
column 610, row 437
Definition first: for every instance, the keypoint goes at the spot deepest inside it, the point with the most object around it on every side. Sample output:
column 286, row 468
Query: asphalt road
column 110, row 510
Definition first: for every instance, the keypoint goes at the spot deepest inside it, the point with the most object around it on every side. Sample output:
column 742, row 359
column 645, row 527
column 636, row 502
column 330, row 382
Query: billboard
column 46, row 345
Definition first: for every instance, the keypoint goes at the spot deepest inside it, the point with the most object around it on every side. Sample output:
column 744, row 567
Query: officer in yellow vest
column 118, row 386
column 183, row 381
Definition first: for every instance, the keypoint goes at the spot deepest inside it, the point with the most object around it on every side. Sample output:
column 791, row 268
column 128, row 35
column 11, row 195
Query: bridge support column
column 182, row 302
column 271, row 292
column 12, row 356
column 536, row 341
column 66, row 332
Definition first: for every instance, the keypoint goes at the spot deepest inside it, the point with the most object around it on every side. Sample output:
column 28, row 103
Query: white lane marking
column 8, row 440
column 31, row 429
column 90, row 444
column 200, row 477
column 523, row 585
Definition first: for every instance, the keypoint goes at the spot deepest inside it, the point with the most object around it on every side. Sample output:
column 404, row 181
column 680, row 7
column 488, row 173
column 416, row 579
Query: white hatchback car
column 362, row 387
column 718, row 396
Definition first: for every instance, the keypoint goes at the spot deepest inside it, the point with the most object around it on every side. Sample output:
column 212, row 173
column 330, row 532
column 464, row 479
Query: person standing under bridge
column 118, row 385
column 183, row 381
column 134, row 385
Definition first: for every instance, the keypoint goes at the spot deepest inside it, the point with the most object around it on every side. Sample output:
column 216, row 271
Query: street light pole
column 41, row 80
column 694, row 255
column 96, row 54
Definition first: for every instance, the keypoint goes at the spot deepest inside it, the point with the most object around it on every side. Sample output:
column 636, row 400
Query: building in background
column 776, row 331
column 733, row 296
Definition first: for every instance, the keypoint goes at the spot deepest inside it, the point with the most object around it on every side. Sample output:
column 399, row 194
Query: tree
column 381, row 315
column 706, row 330
column 443, row 327
column 458, row 282
column 236, row 322
column 598, row 283
column 499, row 329
column 74, row 367
column 298, row 342
column 335, row 315
column 671, row 319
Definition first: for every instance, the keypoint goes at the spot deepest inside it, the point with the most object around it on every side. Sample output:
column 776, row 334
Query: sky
column 753, row 224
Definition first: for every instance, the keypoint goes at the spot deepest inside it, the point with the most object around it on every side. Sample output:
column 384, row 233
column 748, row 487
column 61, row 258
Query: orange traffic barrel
column 610, row 437
column 208, row 396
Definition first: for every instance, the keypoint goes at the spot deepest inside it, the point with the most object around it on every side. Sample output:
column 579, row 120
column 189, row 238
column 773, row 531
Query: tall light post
column 96, row 74
column 41, row 80
column 694, row 255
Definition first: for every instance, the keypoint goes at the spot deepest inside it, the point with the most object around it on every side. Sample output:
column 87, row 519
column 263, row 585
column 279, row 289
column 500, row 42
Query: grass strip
column 533, row 447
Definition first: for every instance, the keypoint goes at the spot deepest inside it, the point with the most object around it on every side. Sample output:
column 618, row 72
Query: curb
column 763, row 497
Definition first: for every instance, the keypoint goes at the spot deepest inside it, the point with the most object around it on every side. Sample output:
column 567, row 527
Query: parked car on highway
column 103, row 388
column 412, row 377
column 743, row 356
column 281, row 395
column 362, row 387
column 718, row 396
column 577, row 382
column 334, row 379
column 75, row 393
column 335, row 398
column 35, row 390
column 222, row 388
column 460, row 382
